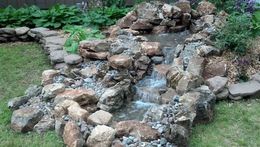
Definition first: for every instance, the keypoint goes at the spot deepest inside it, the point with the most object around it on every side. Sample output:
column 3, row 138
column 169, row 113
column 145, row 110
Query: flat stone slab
column 56, row 40
column 244, row 89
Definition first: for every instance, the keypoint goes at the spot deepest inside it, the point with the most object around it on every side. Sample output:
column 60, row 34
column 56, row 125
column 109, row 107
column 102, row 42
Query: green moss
column 21, row 64
column 235, row 124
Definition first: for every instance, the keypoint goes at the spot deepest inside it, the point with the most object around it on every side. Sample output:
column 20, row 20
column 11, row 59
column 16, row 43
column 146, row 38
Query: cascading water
column 148, row 90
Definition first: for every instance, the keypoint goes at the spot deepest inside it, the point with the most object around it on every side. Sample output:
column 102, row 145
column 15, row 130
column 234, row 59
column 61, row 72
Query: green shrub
column 256, row 23
column 57, row 17
column 79, row 33
column 106, row 16
column 18, row 17
column 236, row 34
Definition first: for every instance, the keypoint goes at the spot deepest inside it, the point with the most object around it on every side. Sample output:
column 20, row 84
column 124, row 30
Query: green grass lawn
column 235, row 125
column 21, row 64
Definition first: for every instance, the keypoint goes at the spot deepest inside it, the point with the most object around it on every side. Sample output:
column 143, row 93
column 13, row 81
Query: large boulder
column 215, row 69
column 137, row 129
column 114, row 97
column 217, row 84
column 188, row 82
column 72, row 136
column 196, row 65
column 100, row 118
column 23, row 120
column 82, row 96
column 250, row 88
column 57, row 56
column 200, row 102
column 62, row 108
column 21, row 30
column 101, row 136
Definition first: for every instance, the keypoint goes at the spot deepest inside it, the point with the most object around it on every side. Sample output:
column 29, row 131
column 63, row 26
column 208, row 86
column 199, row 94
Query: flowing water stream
column 147, row 90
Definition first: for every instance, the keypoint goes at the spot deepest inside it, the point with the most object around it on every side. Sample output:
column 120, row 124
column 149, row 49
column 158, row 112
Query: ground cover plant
column 21, row 65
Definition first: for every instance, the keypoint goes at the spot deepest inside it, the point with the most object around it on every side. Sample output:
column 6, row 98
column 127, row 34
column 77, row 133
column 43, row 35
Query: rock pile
column 78, row 102
column 51, row 41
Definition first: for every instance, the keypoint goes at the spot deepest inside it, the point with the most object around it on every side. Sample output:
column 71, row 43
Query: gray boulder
column 250, row 88
column 23, row 120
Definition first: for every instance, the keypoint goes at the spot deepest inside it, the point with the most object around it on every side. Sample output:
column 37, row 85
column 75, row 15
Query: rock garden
column 146, row 82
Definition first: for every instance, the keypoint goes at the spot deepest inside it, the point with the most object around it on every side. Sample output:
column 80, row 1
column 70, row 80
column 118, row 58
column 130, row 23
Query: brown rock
column 101, row 136
column 93, row 55
column 188, row 82
column 48, row 75
column 173, row 77
column 168, row 95
column 77, row 113
column 95, row 45
column 72, row 136
column 141, row 24
column 159, row 29
column 151, row 48
column 120, row 61
column 62, row 108
column 215, row 69
column 128, row 20
column 196, row 65
column 162, row 69
column 137, row 129
column 100, row 118
column 82, row 96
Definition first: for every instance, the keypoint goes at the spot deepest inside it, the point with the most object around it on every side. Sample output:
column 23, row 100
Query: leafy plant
column 236, row 33
column 79, row 33
column 256, row 23
column 57, row 16
column 17, row 17
column 104, row 17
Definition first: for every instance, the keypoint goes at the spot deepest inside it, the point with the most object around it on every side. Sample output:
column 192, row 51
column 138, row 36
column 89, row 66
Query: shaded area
column 21, row 64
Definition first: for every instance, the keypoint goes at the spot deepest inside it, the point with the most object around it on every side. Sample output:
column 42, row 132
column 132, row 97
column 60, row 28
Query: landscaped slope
column 21, row 64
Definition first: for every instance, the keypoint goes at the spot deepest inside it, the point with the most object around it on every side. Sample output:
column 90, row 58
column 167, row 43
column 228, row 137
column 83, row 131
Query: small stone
column 48, row 75
column 21, row 30
column 72, row 59
column 15, row 103
column 51, row 90
column 33, row 91
column 101, row 136
column 120, row 61
column 223, row 94
column 151, row 48
column 62, row 108
column 217, row 84
column 23, row 120
column 57, row 56
column 72, row 136
column 44, row 125
column 100, row 118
